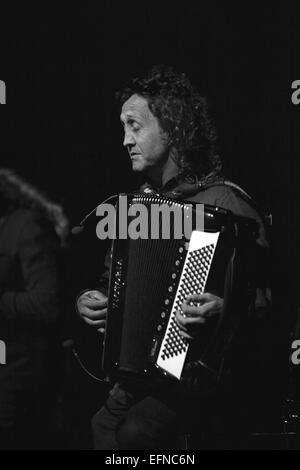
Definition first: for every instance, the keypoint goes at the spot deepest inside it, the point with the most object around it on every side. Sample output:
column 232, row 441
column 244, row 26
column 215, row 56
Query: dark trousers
column 135, row 420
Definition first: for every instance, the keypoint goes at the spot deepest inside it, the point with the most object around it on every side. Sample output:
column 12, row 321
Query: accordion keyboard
column 193, row 279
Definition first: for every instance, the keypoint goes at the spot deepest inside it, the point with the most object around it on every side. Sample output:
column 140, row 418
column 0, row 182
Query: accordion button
column 159, row 328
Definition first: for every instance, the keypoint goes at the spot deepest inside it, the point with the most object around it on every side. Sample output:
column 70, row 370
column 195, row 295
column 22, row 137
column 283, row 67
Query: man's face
column 143, row 136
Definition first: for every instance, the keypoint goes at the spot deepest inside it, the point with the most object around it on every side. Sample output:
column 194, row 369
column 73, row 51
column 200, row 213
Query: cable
column 76, row 355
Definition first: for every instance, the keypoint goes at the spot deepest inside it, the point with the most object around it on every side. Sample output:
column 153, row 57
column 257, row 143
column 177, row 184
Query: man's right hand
column 92, row 307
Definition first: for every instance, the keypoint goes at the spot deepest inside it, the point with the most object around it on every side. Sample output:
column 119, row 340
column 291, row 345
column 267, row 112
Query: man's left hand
column 196, row 311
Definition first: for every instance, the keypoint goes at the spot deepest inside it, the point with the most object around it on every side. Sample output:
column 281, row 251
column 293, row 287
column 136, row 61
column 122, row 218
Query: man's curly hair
column 182, row 114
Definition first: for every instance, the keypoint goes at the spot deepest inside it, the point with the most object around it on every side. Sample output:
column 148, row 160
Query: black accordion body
column 150, row 278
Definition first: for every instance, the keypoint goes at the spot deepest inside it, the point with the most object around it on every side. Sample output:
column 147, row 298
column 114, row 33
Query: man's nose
column 128, row 139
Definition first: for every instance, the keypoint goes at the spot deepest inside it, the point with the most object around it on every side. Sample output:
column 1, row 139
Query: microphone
column 68, row 343
column 80, row 228
column 77, row 230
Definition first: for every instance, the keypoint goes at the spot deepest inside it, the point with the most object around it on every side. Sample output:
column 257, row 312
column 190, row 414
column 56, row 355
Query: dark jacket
column 29, row 307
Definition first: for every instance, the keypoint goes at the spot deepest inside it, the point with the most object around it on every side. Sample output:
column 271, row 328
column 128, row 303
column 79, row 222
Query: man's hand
column 92, row 307
column 196, row 311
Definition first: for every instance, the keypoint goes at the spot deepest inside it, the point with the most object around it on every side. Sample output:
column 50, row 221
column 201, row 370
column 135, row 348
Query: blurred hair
column 183, row 115
column 15, row 192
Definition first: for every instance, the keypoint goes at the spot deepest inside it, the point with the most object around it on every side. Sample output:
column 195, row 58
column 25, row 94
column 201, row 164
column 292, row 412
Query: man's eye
column 134, row 125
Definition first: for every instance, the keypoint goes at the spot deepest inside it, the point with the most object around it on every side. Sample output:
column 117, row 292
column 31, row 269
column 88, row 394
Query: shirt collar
column 173, row 187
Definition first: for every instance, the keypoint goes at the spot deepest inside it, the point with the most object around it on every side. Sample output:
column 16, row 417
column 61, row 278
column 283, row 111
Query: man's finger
column 185, row 335
column 94, row 314
column 92, row 303
column 179, row 320
column 95, row 323
column 190, row 320
column 194, row 311
column 206, row 297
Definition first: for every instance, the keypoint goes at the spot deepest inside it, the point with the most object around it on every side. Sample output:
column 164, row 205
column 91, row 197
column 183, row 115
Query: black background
column 60, row 128
column 63, row 66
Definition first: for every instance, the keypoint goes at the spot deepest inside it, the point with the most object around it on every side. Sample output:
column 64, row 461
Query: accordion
column 151, row 276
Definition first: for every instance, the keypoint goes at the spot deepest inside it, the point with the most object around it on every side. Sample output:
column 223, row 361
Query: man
column 171, row 140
